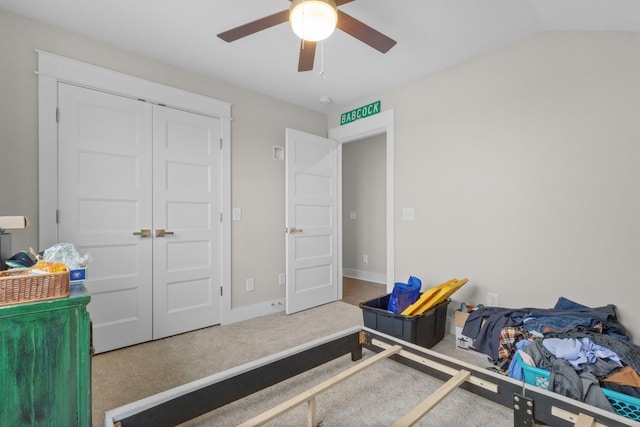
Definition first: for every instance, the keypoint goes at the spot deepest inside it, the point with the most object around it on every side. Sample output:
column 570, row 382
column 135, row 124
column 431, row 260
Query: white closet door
column 187, row 199
column 104, row 187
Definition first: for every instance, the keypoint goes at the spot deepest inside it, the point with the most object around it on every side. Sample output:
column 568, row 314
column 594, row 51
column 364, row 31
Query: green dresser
column 45, row 362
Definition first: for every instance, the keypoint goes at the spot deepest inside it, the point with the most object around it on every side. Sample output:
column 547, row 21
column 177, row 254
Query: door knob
column 143, row 233
column 294, row 230
column 161, row 232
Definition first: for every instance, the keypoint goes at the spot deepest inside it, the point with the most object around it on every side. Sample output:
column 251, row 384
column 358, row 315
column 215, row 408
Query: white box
column 462, row 341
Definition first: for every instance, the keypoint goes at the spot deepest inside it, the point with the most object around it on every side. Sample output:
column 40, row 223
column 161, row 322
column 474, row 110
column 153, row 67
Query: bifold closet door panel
column 105, row 201
column 187, row 227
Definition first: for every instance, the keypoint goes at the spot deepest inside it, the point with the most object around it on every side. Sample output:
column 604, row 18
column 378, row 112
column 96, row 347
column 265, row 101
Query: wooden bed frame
column 530, row 404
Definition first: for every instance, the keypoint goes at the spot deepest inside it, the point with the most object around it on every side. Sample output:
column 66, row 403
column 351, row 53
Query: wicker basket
column 17, row 287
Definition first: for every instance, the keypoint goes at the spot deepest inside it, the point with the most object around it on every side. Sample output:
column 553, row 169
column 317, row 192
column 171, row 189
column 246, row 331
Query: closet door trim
column 53, row 69
column 95, row 77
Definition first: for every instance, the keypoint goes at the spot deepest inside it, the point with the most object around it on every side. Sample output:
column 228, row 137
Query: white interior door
column 186, row 198
column 311, row 164
column 104, row 187
column 140, row 190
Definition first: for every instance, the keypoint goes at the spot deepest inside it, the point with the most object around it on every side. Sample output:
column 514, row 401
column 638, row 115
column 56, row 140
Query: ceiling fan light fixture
column 313, row 20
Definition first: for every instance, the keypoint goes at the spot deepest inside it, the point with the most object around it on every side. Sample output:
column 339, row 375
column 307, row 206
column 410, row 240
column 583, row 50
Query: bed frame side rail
column 206, row 399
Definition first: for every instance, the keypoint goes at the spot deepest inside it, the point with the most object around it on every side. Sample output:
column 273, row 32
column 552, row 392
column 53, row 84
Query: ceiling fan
column 341, row 20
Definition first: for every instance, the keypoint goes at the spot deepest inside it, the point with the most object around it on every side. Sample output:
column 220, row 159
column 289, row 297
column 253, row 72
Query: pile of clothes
column 583, row 348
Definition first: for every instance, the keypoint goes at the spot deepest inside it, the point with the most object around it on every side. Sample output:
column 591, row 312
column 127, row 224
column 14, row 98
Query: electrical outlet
column 408, row 214
column 492, row 299
column 278, row 154
column 251, row 285
column 365, row 259
column 282, row 279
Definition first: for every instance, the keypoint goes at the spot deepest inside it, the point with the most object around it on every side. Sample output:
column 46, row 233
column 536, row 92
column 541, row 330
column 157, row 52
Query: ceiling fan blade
column 338, row 2
column 255, row 26
column 307, row 55
column 364, row 33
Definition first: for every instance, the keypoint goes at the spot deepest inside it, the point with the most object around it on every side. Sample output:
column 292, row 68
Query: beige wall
column 363, row 192
column 522, row 165
column 523, row 168
column 258, row 124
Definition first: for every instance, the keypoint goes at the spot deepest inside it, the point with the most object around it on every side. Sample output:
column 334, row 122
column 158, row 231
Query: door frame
column 354, row 131
column 53, row 69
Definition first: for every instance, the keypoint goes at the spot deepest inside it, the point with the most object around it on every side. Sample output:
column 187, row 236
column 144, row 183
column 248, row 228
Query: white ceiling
column 431, row 35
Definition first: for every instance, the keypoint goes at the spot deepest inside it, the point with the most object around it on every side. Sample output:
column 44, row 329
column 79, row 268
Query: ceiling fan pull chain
column 322, row 59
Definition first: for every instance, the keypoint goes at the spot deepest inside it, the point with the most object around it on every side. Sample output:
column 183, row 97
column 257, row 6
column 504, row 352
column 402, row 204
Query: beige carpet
column 375, row 397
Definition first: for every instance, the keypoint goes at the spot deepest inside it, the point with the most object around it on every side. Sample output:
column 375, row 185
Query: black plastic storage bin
column 425, row 330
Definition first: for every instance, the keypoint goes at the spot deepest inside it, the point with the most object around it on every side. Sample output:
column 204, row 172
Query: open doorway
column 378, row 125
column 364, row 254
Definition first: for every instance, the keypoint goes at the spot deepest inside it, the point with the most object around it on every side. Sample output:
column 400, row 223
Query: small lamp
column 313, row 20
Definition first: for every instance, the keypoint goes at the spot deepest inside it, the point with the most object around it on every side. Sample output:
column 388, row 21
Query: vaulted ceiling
column 431, row 35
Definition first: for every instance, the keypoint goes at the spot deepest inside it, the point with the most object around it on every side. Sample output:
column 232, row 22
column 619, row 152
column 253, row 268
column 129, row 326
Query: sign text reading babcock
column 360, row 113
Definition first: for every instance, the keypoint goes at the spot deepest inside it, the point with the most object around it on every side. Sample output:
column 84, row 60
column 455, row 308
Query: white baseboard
column 365, row 275
column 278, row 305
column 252, row 311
